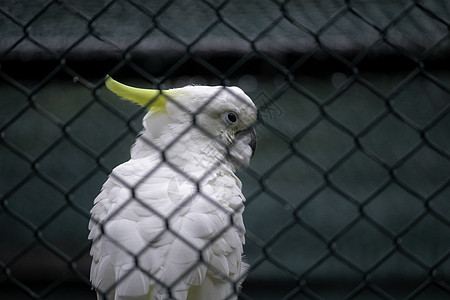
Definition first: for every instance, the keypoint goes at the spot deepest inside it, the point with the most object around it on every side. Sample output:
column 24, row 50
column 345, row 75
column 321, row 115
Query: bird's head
column 218, row 115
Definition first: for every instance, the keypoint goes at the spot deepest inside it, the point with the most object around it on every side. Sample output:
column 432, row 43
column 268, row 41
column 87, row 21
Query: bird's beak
column 250, row 131
column 153, row 99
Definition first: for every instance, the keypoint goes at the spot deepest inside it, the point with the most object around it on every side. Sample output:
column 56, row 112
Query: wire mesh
column 347, row 195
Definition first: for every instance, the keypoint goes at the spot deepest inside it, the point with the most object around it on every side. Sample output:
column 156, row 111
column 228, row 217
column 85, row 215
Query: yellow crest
column 153, row 100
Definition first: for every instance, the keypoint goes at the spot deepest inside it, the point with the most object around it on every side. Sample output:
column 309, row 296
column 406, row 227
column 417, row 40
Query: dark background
column 348, row 193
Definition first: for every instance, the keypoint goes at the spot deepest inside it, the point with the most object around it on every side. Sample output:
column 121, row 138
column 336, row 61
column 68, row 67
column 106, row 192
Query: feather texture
column 169, row 227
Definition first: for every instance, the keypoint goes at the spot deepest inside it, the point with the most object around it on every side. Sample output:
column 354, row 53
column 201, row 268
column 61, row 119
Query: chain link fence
column 348, row 193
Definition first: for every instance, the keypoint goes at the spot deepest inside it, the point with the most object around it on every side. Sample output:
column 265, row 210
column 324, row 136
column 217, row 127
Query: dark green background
column 348, row 193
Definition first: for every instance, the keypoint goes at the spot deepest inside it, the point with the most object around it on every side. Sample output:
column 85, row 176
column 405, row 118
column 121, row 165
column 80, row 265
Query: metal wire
column 348, row 195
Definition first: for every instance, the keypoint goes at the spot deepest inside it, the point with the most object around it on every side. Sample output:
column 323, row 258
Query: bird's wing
column 149, row 224
column 115, row 220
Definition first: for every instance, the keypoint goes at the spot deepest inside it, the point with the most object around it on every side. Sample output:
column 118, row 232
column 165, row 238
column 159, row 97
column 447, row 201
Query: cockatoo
column 168, row 224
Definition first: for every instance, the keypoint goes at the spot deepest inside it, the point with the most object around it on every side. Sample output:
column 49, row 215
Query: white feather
column 158, row 232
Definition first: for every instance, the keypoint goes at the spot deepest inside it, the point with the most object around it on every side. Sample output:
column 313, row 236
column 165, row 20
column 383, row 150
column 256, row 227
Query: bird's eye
column 231, row 117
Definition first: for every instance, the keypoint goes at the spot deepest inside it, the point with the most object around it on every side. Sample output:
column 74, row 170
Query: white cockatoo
column 168, row 222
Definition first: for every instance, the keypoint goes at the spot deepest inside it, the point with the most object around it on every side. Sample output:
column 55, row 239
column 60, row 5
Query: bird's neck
column 192, row 149
column 199, row 151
